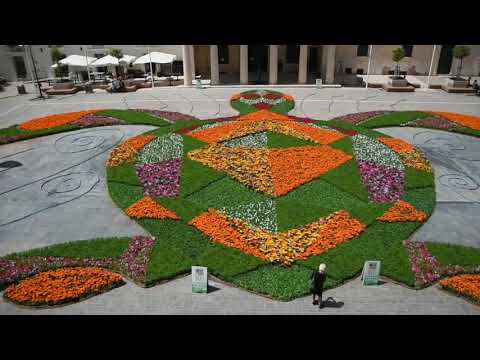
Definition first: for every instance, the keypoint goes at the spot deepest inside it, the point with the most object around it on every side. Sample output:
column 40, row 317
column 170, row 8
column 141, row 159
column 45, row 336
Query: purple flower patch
column 302, row 119
column 384, row 184
column 14, row 270
column 95, row 120
column 425, row 266
column 356, row 118
column 5, row 139
column 168, row 115
column 134, row 261
column 160, row 179
column 433, row 122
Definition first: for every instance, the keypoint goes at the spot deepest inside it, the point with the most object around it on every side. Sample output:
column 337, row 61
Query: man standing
column 317, row 279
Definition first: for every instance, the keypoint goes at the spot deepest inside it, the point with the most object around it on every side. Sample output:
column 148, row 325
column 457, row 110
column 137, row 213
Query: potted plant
column 397, row 80
column 56, row 56
column 118, row 54
column 459, row 52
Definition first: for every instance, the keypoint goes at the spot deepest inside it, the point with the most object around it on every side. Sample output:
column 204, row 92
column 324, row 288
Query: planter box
column 397, row 82
column 457, row 83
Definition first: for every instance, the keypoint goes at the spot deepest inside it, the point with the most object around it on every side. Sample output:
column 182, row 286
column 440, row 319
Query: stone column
column 243, row 64
column 214, row 73
column 330, row 66
column 273, row 64
column 302, row 64
column 436, row 59
column 187, row 69
column 192, row 60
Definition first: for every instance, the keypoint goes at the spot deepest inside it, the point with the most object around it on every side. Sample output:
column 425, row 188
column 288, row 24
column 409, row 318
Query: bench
column 63, row 89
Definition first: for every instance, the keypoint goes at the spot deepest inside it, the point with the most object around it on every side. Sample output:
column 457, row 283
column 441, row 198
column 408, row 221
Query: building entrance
column 445, row 61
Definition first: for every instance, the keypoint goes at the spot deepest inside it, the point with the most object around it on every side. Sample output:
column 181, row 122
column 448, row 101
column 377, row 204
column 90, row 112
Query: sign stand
column 370, row 273
column 199, row 279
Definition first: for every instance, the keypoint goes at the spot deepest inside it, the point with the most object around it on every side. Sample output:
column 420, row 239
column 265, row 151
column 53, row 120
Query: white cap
column 322, row 267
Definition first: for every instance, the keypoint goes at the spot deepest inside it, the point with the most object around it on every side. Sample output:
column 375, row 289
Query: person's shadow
column 330, row 302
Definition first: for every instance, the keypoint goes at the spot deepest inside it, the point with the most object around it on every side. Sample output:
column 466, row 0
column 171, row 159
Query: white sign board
column 371, row 273
column 199, row 279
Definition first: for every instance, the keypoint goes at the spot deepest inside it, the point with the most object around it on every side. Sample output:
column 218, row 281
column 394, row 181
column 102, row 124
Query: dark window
column 41, row 49
column 98, row 56
column 293, row 52
column 362, row 50
column 408, row 50
column 81, row 48
column 223, row 54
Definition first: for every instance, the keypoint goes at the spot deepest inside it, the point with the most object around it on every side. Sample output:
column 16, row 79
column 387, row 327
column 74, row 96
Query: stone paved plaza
column 28, row 220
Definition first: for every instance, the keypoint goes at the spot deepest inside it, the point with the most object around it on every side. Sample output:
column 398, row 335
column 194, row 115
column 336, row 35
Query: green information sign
column 199, row 279
column 371, row 273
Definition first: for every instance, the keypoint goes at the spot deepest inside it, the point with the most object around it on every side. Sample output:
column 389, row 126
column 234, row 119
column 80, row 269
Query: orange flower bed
column 52, row 121
column 250, row 124
column 138, row 142
column 472, row 122
column 62, row 285
column 312, row 239
column 415, row 159
column 235, row 97
column 248, row 166
column 315, row 133
column 397, row 145
column 215, row 134
column 217, row 227
column 127, row 151
column 272, row 171
column 293, row 167
column 466, row 285
column 402, row 211
column 147, row 208
column 263, row 115
column 410, row 156
column 338, row 228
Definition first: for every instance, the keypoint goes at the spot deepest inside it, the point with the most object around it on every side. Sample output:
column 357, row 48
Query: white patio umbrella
column 105, row 61
column 78, row 60
column 54, row 66
column 155, row 57
column 108, row 60
column 127, row 59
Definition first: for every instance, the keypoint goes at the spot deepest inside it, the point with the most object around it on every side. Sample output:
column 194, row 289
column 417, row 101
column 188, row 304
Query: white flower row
column 367, row 149
column 167, row 147
column 261, row 214
column 208, row 126
column 257, row 140
column 262, row 100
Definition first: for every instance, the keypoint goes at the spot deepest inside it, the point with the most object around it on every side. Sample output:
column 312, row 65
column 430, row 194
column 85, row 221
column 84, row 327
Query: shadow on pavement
column 212, row 289
column 330, row 302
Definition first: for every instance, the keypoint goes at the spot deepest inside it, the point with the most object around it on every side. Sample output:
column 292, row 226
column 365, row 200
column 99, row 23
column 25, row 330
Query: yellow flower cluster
column 249, row 166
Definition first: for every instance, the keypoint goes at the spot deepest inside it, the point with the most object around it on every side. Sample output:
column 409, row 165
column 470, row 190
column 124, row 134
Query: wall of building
column 419, row 62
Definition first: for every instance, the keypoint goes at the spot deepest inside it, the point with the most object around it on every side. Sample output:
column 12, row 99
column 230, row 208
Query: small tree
column 460, row 52
column 397, row 56
column 116, row 53
column 56, row 56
